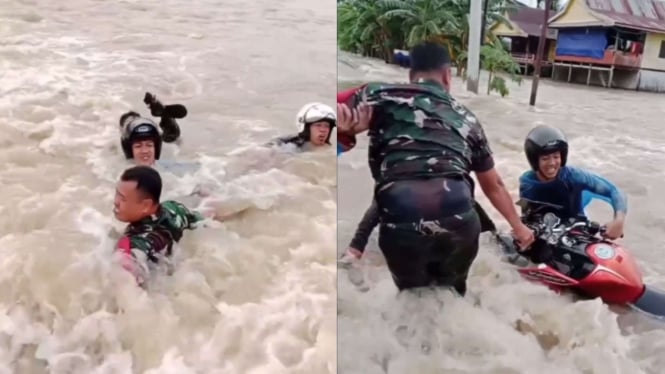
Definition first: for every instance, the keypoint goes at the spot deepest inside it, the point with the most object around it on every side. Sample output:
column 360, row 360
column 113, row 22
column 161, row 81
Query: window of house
column 661, row 53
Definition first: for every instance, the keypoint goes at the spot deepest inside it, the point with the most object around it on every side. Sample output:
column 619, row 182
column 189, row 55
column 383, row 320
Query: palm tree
column 496, row 9
column 424, row 19
column 362, row 29
column 376, row 27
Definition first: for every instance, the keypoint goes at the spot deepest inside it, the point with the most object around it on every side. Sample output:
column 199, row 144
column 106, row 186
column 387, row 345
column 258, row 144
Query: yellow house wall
column 502, row 29
column 575, row 14
column 650, row 59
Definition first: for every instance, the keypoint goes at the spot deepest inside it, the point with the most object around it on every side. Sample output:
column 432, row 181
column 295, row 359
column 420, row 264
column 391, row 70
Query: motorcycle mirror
column 551, row 220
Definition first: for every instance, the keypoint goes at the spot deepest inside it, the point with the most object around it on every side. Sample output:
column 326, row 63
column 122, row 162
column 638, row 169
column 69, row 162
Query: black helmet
column 133, row 127
column 543, row 140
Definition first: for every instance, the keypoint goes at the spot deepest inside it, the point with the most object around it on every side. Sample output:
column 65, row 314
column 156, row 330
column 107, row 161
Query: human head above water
column 137, row 194
column 140, row 139
column 430, row 61
column 315, row 122
column 546, row 149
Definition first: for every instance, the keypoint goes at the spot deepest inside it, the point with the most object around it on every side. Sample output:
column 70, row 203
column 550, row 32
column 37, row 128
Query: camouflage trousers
column 429, row 251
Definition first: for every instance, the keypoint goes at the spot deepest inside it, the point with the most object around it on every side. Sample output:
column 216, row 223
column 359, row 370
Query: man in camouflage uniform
column 423, row 146
column 152, row 227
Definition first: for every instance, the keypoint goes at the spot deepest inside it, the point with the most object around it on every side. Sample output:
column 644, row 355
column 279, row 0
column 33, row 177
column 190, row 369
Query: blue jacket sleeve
column 599, row 186
column 526, row 187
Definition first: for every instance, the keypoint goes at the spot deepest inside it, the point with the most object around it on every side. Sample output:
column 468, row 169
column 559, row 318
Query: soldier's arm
column 216, row 215
column 129, row 248
column 482, row 163
column 186, row 218
column 193, row 219
column 481, row 156
column 349, row 98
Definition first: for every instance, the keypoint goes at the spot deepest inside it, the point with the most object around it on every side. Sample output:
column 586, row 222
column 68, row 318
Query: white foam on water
column 380, row 332
column 252, row 295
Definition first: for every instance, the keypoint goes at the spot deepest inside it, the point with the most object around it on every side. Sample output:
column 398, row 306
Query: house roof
column 646, row 15
column 530, row 21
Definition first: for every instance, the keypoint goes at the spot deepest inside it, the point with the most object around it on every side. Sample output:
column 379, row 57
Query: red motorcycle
column 573, row 255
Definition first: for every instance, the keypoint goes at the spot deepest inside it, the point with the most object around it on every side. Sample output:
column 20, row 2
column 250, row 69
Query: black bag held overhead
column 168, row 114
column 177, row 111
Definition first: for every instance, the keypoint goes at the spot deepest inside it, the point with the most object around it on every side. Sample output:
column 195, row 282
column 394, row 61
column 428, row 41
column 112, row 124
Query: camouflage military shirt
column 156, row 234
column 419, row 131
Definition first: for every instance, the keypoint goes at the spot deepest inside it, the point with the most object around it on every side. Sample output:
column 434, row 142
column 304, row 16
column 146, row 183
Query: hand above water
column 350, row 257
column 365, row 112
column 346, row 119
column 352, row 121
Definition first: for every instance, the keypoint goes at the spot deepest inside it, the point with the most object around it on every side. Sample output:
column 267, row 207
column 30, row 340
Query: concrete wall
column 650, row 59
column 653, row 81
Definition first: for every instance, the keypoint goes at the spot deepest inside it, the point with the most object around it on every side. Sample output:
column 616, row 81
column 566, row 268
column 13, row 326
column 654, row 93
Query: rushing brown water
column 254, row 295
column 612, row 132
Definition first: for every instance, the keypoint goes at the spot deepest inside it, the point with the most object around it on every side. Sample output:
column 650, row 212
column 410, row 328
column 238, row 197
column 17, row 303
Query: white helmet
column 315, row 112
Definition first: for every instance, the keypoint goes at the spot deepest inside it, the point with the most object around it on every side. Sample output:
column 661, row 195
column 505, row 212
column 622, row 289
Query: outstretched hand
column 614, row 230
column 524, row 236
column 346, row 119
column 349, row 257
column 352, row 121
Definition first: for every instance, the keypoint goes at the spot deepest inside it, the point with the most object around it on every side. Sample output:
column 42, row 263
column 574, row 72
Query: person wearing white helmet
column 315, row 122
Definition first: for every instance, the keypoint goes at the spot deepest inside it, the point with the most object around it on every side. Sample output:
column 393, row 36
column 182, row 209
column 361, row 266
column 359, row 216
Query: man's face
column 143, row 152
column 549, row 165
column 318, row 133
column 130, row 204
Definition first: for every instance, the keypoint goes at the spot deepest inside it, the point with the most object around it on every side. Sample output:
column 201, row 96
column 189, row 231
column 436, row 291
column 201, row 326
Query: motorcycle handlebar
column 540, row 230
column 591, row 227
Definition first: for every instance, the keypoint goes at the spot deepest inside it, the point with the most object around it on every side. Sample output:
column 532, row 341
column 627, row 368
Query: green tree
column 556, row 5
column 424, row 19
column 495, row 59
column 362, row 29
column 374, row 28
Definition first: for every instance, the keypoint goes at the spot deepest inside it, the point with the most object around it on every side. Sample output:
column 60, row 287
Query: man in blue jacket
column 551, row 181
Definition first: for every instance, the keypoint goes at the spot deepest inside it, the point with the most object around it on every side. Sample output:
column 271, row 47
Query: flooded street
column 618, row 134
column 252, row 295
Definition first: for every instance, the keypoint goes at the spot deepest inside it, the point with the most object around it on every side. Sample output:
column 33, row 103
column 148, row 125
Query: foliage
column 374, row 28
column 495, row 59
column 557, row 5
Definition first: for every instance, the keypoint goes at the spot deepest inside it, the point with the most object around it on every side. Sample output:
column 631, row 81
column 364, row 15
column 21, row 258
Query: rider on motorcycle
column 551, row 181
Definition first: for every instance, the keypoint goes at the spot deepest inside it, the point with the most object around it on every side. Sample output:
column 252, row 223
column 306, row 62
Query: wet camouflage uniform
column 423, row 146
column 154, row 236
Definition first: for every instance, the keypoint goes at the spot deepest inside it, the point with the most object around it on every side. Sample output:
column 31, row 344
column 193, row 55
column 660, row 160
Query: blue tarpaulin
column 582, row 43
